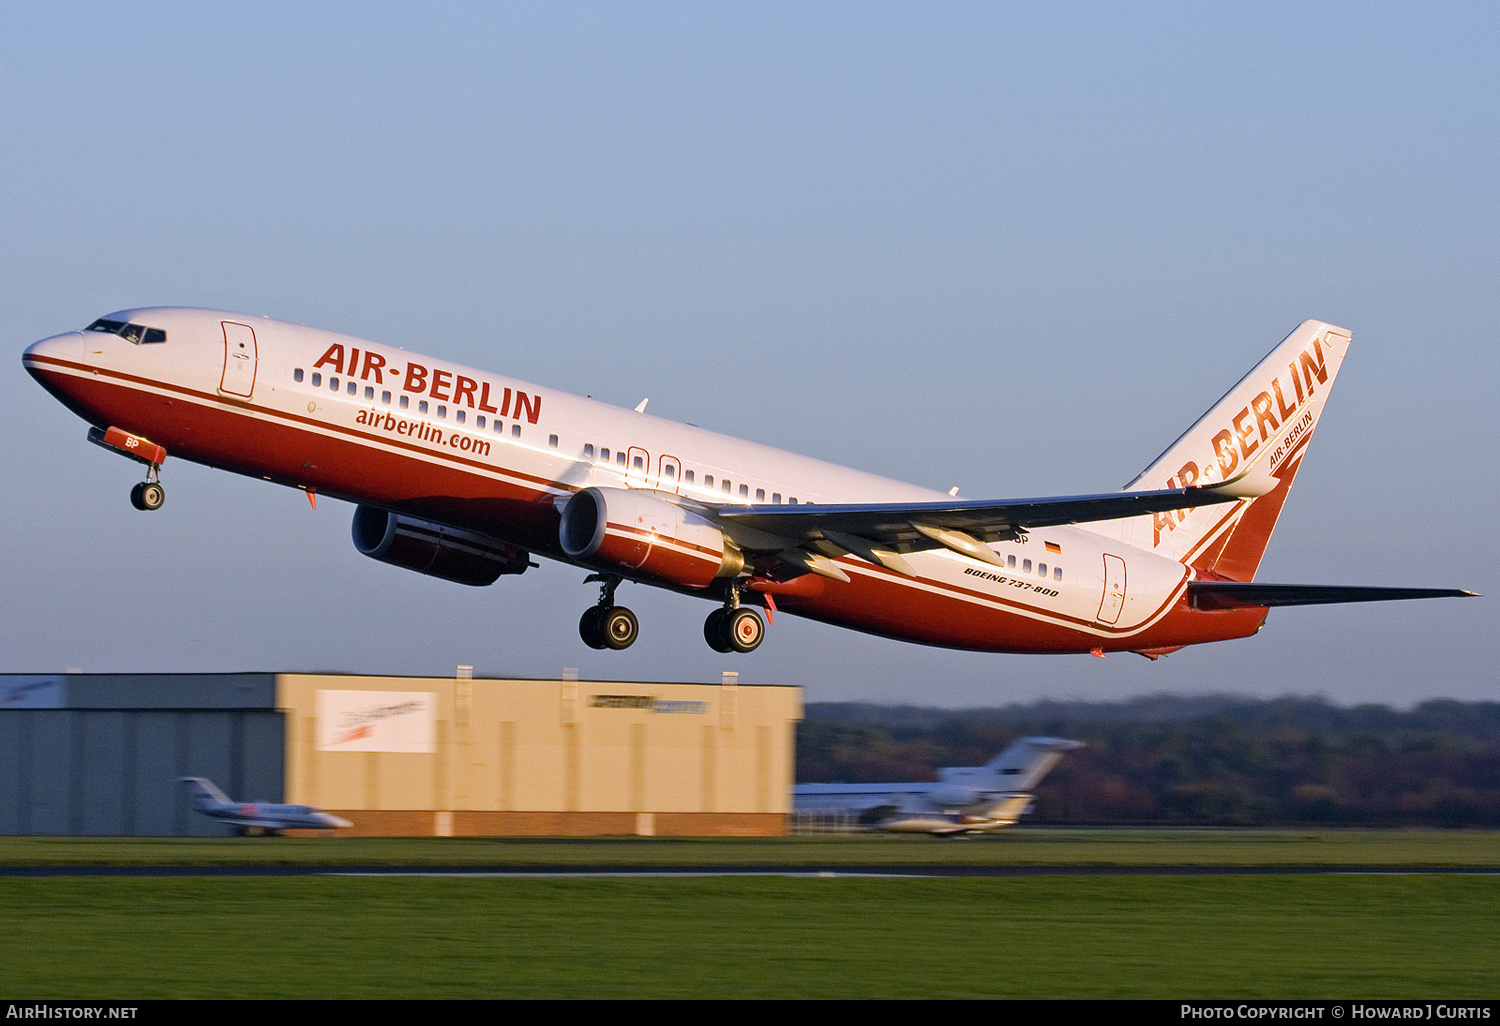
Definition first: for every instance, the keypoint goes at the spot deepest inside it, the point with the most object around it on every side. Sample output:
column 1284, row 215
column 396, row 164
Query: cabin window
column 708, row 480
column 744, row 491
column 687, row 475
column 1010, row 561
column 442, row 412
column 479, row 422
column 499, row 427
column 760, row 494
column 604, row 455
column 369, row 394
column 588, row 451
column 1041, row 569
column 353, row 387
column 515, row 431
column 1057, row 573
column 405, row 401
column 1026, row 566
column 385, row 398
column 551, row 441
column 727, row 486
column 792, row 501
column 317, row 380
column 776, row 498
column 670, row 471
column 297, row 374
column 459, row 415
column 638, row 463
column 333, row 384
column 422, row 406
column 620, row 458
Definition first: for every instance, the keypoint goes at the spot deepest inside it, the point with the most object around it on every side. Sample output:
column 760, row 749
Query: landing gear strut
column 734, row 628
column 149, row 494
column 607, row 625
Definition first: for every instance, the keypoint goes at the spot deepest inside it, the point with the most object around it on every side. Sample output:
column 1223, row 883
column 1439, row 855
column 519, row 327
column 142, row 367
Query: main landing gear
column 734, row 628
column 607, row 625
column 731, row 628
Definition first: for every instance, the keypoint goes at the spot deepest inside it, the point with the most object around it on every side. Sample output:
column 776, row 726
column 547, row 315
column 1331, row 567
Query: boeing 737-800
column 463, row 474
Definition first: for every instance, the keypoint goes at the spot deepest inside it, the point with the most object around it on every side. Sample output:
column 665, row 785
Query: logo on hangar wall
column 377, row 721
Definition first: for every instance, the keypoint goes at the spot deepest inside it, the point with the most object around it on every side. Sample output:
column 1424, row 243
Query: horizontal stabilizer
column 1234, row 595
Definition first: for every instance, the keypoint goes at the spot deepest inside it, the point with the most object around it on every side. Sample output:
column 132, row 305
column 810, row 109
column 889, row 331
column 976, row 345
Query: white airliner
column 964, row 800
column 463, row 474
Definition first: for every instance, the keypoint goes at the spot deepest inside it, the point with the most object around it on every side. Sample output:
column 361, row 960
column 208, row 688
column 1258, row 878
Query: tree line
column 1218, row 759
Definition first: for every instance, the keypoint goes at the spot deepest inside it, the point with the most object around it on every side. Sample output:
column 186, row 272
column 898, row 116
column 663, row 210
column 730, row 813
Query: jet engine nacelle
column 638, row 533
column 463, row 557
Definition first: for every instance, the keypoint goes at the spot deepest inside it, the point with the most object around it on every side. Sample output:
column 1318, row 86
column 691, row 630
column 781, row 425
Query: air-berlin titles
column 421, row 380
column 1260, row 417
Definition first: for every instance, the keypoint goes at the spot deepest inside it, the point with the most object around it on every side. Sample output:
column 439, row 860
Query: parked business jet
column 463, row 474
column 964, row 800
column 258, row 818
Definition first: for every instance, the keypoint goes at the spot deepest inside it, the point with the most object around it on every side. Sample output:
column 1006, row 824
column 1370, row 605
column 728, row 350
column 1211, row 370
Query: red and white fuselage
column 483, row 455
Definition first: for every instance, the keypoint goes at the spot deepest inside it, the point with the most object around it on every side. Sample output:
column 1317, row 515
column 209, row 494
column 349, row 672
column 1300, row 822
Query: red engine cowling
column 641, row 534
column 463, row 557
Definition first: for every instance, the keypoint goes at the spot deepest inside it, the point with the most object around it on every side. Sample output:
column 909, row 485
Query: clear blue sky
column 1016, row 248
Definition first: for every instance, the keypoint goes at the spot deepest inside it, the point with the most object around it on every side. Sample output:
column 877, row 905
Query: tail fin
column 1252, row 441
column 1022, row 766
column 205, row 792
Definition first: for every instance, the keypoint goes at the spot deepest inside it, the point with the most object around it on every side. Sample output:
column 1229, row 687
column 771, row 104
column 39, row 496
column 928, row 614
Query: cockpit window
column 136, row 334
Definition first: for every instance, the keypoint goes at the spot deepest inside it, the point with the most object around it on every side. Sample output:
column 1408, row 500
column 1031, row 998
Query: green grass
column 1136, row 937
column 1032, row 845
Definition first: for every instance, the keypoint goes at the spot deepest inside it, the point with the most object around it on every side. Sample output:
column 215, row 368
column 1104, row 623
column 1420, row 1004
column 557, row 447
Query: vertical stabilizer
column 1251, row 443
column 205, row 793
column 1023, row 765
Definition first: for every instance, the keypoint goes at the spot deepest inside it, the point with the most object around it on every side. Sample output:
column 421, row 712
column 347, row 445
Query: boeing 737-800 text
column 463, row 474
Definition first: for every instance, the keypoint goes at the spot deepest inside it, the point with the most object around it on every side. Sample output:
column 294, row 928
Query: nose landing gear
column 149, row 494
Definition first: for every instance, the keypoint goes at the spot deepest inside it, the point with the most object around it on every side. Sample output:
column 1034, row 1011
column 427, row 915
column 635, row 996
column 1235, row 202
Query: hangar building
column 101, row 754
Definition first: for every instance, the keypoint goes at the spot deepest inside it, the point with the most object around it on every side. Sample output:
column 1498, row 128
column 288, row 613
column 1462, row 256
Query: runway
column 805, row 871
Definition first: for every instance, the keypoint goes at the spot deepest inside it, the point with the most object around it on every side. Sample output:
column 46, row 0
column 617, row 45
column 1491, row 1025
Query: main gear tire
column 620, row 628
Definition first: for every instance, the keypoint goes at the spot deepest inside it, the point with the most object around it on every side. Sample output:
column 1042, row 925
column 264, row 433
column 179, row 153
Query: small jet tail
column 1023, row 765
column 205, row 793
column 1250, row 445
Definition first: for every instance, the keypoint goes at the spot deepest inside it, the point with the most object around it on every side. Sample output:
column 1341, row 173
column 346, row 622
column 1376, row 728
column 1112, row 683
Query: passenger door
column 239, row 360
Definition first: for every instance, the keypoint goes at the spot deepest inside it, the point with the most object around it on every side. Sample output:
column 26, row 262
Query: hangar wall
column 101, row 754
column 493, row 757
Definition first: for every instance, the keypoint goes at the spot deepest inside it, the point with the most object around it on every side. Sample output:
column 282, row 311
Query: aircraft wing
column 878, row 532
column 892, row 521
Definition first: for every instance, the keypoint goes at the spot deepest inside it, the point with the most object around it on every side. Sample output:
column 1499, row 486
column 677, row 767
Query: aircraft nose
column 67, row 346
